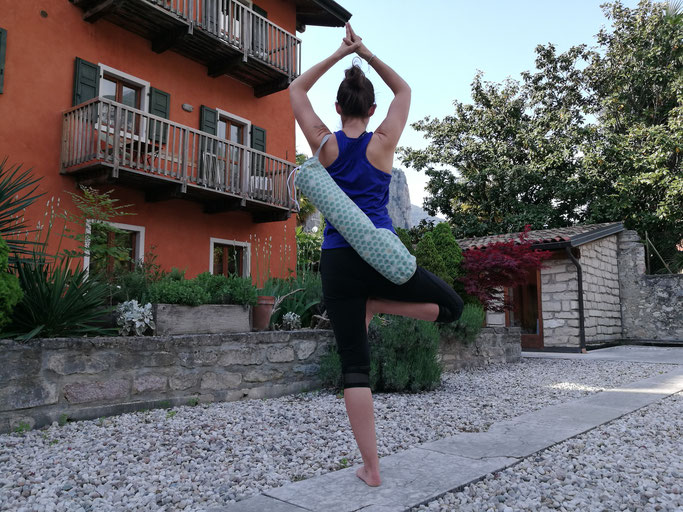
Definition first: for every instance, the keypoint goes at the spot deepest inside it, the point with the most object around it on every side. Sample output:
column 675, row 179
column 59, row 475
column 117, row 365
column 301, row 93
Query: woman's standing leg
column 346, row 303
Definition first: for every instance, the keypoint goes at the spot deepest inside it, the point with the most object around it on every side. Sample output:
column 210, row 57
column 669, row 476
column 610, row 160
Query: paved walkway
column 422, row 474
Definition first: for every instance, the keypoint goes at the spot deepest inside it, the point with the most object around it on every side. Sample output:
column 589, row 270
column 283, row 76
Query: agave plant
column 58, row 301
column 674, row 8
column 17, row 192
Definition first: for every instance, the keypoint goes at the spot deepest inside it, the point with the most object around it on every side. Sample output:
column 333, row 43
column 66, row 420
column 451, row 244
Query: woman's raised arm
column 390, row 130
column 312, row 126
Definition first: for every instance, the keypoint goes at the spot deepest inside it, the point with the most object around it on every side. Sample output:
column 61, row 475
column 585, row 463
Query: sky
column 438, row 46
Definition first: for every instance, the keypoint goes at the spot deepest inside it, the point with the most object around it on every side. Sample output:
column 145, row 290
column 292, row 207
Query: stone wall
column 601, row 302
column 651, row 305
column 493, row 345
column 560, row 304
column 87, row 378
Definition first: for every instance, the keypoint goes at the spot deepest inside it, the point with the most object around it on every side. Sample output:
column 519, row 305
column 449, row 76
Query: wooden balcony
column 107, row 142
column 224, row 35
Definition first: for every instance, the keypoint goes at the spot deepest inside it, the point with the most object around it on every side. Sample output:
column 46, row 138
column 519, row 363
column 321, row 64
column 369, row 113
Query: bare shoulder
column 380, row 152
column 330, row 151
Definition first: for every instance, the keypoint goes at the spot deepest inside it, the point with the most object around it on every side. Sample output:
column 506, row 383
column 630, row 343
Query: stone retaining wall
column 493, row 345
column 88, row 378
column 651, row 305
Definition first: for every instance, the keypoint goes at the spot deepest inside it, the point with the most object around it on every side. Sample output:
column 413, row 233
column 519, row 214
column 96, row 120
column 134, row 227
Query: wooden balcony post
column 183, row 171
column 244, row 173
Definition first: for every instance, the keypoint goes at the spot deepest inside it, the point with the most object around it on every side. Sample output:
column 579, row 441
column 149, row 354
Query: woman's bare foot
column 369, row 477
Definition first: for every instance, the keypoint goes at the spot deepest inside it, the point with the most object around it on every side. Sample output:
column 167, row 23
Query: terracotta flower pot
column 261, row 312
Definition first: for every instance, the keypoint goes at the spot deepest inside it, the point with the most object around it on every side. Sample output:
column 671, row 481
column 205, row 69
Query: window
column 229, row 257
column 127, row 90
column 131, row 239
column 120, row 91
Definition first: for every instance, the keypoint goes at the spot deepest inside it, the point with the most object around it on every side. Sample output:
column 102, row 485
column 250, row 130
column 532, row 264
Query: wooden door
column 526, row 311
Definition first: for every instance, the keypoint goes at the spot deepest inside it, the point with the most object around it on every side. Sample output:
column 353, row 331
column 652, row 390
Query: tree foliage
column 590, row 135
column 497, row 266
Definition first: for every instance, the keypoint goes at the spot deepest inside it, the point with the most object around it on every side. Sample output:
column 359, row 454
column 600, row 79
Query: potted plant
column 208, row 304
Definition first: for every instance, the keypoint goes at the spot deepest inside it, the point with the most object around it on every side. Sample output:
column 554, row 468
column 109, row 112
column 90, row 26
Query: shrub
column 302, row 302
column 403, row 356
column 468, row 326
column 291, row 321
column 240, row 290
column 10, row 291
column 405, row 353
column 171, row 291
column 449, row 250
column 134, row 318
column 428, row 257
column 228, row 290
column 125, row 284
column 58, row 301
column 330, row 370
column 308, row 250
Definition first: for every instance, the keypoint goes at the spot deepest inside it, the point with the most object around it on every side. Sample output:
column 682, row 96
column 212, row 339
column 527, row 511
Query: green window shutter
column 258, row 138
column 208, row 120
column 86, row 81
column 3, row 50
column 259, row 10
column 258, row 142
column 159, row 105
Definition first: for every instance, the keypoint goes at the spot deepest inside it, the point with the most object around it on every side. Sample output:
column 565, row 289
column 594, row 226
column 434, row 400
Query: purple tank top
column 366, row 185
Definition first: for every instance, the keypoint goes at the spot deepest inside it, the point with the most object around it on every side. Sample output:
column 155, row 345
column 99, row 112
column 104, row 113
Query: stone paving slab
column 408, row 477
column 261, row 504
column 633, row 353
column 422, row 474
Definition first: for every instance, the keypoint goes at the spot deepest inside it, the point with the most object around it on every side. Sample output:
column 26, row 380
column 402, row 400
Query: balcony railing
column 225, row 35
column 102, row 133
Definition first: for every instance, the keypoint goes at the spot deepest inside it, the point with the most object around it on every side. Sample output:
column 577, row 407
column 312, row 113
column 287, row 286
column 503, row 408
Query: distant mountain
column 417, row 214
column 399, row 200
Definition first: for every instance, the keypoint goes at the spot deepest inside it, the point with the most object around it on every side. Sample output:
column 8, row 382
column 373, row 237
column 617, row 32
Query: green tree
column 450, row 251
column 590, row 135
column 428, row 257
column 633, row 155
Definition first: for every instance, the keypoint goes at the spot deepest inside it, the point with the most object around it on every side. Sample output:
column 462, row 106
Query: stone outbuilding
column 593, row 291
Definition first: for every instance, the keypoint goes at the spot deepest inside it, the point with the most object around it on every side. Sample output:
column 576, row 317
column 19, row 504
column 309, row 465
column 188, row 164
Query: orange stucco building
column 177, row 106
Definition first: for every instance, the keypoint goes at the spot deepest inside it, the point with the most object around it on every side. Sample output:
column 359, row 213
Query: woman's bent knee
column 451, row 310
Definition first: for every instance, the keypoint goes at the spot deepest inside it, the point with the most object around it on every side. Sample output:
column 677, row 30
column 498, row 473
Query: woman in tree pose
column 360, row 163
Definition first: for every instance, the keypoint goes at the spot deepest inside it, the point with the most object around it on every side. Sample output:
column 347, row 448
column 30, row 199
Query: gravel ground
column 193, row 458
column 634, row 463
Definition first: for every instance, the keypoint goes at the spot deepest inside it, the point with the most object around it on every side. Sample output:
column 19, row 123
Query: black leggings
column 348, row 281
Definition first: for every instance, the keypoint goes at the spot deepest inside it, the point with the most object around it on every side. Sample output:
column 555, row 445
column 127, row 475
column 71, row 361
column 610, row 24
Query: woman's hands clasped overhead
column 352, row 43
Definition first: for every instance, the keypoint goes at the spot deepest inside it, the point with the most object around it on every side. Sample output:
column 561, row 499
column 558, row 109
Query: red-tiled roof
column 577, row 234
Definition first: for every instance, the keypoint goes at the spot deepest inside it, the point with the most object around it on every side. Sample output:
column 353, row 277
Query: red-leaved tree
column 500, row 265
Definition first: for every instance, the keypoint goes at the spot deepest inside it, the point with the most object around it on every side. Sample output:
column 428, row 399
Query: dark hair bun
column 356, row 94
column 355, row 76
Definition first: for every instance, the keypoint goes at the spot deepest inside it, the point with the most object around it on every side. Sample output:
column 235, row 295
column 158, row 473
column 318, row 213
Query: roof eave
column 591, row 236
column 336, row 16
